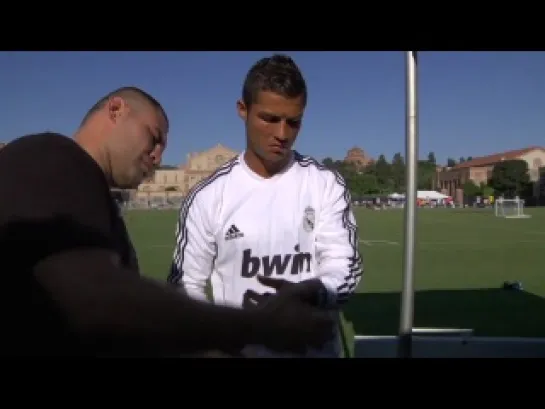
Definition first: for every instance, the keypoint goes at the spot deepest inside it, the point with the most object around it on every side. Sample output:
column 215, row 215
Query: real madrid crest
column 309, row 219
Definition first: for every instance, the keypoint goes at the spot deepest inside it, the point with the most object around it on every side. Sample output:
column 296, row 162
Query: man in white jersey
column 270, row 217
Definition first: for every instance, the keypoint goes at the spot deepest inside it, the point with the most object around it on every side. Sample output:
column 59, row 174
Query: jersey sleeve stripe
column 176, row 270
column 355, row 263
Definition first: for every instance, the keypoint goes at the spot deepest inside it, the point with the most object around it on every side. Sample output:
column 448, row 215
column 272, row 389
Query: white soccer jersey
column 297, row 225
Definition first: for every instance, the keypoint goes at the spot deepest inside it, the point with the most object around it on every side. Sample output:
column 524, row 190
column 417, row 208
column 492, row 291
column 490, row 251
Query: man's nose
column 156, row 158
column 283, row 131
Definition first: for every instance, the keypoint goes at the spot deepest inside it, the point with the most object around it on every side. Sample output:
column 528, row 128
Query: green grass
column 462, row 259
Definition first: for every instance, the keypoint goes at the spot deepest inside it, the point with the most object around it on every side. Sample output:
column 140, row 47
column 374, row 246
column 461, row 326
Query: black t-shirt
column 53, row 197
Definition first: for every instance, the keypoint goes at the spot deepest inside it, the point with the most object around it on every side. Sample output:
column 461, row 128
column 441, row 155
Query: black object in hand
column 312, row 292
column 295, row 322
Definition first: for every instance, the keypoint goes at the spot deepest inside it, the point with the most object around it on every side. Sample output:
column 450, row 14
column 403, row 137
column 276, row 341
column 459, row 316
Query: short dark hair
column 278, row 74
column 129, row 93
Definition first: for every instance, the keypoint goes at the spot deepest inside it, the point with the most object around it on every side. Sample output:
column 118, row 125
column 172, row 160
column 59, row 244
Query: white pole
column 411, row 158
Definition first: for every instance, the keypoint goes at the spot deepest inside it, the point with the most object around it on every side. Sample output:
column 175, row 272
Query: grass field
column 463, row 258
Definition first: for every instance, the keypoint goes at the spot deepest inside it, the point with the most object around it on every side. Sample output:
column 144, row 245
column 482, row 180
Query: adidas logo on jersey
column 277, row 264
column 233, row 233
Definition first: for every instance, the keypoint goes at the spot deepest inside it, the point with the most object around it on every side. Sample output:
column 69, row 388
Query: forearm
column 120, row 312
column 161, row 321
column 192, row 263
column 331, row 289
column 341, row 282
column 192, row 285
column 337, row 244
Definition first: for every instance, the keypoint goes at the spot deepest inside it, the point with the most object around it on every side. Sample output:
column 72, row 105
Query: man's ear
column 117, row 108
column 242, row 110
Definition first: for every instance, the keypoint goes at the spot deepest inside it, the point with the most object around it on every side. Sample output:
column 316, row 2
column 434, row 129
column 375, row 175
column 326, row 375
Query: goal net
column 510, row 208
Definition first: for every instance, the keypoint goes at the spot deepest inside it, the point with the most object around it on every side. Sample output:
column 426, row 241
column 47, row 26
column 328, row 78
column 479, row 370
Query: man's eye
column 156, row 140
column 294, row 123
column 270, row 119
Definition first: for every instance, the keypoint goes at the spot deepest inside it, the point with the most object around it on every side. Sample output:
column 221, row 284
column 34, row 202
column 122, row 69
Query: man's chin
column 129, row 183
column 277, row 157
column 126, row 186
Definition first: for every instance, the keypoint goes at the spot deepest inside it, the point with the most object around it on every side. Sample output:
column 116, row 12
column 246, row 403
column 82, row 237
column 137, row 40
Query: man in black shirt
column 70, row 276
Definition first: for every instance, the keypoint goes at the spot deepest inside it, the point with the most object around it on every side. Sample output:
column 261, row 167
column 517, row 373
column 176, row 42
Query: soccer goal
column 510, row 208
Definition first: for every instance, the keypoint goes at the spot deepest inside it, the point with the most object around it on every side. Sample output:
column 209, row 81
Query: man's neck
column 263, row 168
column 83, row 139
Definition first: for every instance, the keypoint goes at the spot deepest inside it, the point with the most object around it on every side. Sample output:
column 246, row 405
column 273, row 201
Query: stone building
column 358, row 157
column 450, row 181
column 176, row 182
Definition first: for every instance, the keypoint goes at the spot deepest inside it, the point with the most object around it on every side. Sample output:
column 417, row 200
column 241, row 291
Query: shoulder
column 45, row 153
column 27, row 145
column 52, row 172
column 327, row 178
column 212, row 186
column 56, row 195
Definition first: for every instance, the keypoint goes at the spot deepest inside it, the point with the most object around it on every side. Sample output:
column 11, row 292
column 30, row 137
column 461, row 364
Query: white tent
column 430, row 195
column 421, row 194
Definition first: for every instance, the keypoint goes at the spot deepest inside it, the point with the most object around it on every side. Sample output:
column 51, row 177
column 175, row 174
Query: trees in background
column 382, row 177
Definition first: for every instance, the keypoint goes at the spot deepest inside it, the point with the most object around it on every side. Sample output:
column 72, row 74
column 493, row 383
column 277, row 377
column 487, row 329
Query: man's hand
column 294, row 322
column 312, row 292
column 290, row 325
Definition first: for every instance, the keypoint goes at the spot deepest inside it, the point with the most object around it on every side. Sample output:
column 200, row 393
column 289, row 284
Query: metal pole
column 411, row 157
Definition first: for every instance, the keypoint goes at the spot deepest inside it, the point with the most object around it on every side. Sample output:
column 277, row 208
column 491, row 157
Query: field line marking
column 371, row 242
column 474, row 242
column 446, row 242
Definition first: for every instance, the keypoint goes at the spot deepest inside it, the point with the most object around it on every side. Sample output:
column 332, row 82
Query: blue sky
column 471, row 103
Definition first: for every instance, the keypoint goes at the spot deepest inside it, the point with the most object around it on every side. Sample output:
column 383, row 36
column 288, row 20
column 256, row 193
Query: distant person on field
column 270, row 222
column 70, row 275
